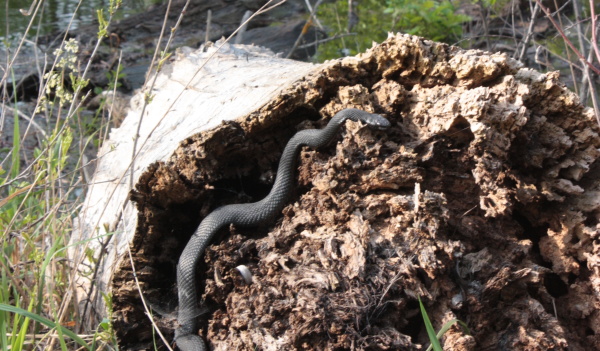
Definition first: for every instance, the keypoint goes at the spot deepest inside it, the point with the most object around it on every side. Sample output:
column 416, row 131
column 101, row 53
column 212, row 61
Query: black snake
column 250, row 214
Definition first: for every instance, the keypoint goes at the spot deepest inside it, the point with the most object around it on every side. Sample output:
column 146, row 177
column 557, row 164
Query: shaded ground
column 482, row 200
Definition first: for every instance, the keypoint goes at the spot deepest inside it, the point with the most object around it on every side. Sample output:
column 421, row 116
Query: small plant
column 25, row 316
column 66, row 66
column 433, row 337
column 39, row 197
column 105, row 334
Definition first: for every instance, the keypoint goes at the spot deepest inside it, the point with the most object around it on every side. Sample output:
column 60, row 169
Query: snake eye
column 381, row 123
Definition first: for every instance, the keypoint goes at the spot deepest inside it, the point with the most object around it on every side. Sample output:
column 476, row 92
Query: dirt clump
column 482, row 200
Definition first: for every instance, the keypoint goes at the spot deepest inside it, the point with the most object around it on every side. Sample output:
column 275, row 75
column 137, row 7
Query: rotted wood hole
column 482, row 200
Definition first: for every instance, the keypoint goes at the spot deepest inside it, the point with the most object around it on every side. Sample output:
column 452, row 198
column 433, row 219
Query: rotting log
column 233, row 84
column 483, row 200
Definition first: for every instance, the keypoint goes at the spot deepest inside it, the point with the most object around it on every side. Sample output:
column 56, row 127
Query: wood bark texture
column 483, row 200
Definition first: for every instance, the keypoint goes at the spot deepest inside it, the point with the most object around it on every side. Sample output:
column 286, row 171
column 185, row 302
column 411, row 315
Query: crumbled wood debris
column 482, row 200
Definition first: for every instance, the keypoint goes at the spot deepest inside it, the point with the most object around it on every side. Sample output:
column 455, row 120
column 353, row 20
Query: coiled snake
column 250, row 214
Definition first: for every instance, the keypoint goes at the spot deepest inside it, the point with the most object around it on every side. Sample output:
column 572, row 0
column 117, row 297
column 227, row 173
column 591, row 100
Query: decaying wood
column 482, row 200
column 230, row 86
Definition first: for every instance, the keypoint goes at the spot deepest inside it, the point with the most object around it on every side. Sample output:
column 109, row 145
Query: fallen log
column 482, row 200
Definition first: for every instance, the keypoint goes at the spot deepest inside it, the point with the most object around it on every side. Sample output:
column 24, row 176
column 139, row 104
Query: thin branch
column 595, row 29
column 310, row 10
column 208, row 20
column 566, row 39
column 148, row 313
column 484, row 19
column 570, row 61
column 27, row 118
column 14, row 58
column 582, row 48
column 594, row 93
column 160, row 37
column 167, row 45
column 565, row 60
column 318, row 42
column 243, row 26
column 536, row 11
column 311, row 18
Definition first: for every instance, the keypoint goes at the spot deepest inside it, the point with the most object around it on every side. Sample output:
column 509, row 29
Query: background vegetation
column 374, row 19
column 43, row 143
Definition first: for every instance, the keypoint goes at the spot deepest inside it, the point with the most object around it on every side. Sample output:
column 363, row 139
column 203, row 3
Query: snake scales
column 250, row 214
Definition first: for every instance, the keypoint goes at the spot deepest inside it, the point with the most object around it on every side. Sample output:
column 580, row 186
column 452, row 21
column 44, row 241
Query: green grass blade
column 4, row 317
column 449, row 324
column 430, row 331
column 3, row 331
column 21, row 324
column 44, row 321
column 19, row 341
column 61, row 338
column 15, row 164
column 447, row 327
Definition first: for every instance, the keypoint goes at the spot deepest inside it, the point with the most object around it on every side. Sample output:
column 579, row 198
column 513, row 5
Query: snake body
column 247, row 215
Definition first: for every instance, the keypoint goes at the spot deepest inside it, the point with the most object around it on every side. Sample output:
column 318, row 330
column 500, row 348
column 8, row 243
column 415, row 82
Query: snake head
column 378, row 121
column 374, row 120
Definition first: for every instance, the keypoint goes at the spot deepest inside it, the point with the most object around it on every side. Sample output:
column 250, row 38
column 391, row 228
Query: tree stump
column 482, row 200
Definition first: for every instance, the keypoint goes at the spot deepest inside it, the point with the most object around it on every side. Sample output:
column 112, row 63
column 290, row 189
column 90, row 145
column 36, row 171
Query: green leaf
column 449, row 324
column 105, row 324
column 429, row 327
column 59, row 330
column 16, row 150
column 44, row 321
